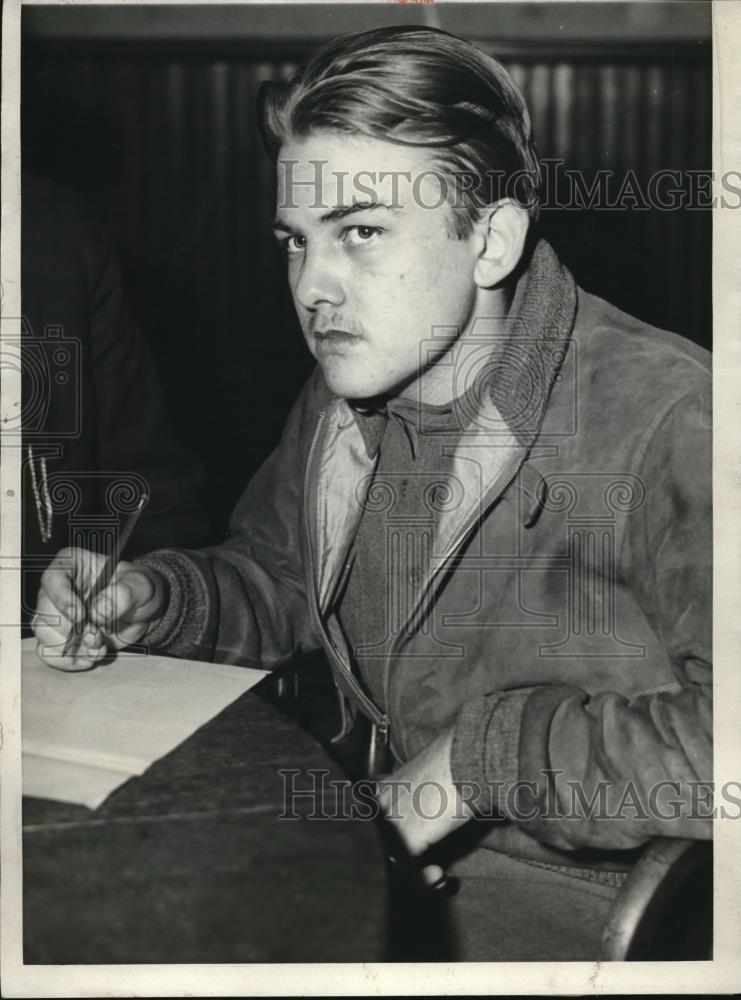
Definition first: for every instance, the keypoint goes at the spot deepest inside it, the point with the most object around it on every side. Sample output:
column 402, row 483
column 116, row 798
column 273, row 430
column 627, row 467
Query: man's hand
column 420, row 798
column 119, row 616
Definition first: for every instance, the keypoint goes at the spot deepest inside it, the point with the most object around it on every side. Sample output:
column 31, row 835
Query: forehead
column 326, row 170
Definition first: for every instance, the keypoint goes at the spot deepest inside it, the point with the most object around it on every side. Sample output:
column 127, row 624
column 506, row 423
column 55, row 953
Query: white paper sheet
column 65, row 781
column 85, row 733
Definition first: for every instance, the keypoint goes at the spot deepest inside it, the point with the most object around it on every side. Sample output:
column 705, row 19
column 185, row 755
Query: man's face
column 374, row 269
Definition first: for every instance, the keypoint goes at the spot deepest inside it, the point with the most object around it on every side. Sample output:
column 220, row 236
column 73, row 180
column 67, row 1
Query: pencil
column 104, row 577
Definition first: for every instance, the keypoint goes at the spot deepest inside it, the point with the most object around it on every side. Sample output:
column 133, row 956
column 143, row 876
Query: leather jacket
column 563, row 625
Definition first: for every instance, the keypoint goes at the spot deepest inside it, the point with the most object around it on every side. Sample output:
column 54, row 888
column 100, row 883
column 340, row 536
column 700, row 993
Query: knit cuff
column 484, row 757
column 181, row 629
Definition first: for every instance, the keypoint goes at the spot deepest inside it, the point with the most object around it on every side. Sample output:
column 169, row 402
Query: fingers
column 51, row 625
column 82, row 654
column 116, row 618
column 58, row 592
column 53, row 629
column 60, row 611
column 69, row 575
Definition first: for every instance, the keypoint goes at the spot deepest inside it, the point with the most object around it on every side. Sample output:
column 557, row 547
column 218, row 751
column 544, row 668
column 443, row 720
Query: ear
column 504, row 229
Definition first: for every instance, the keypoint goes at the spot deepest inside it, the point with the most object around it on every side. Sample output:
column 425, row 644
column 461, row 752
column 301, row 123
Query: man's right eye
column 293, row 244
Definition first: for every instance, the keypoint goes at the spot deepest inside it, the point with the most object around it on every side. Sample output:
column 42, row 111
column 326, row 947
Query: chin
column 348, row 387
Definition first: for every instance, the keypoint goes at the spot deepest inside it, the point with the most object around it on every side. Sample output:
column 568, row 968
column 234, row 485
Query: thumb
column 129, row 597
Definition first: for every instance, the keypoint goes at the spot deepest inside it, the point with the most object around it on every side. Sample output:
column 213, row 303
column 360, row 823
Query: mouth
column 333, row 335
column 332, row 340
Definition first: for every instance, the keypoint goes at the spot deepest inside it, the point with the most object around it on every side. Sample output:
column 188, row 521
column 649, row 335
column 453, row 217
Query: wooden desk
column 189, row 863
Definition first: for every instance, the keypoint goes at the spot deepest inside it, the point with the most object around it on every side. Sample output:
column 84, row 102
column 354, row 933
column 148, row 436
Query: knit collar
column 528, row 357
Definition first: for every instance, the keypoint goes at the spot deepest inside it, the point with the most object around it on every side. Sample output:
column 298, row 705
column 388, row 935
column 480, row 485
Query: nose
column 318, row 280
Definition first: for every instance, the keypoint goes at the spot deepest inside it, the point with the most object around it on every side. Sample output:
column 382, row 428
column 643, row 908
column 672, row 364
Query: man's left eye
column 361, row 234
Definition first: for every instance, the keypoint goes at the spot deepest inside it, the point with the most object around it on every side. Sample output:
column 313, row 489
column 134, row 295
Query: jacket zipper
column 380, row 720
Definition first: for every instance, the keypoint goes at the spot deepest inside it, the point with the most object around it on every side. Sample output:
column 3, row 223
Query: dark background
column 149, row 114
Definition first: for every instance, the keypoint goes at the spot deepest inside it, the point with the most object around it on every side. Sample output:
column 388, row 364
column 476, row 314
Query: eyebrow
column 341, row 212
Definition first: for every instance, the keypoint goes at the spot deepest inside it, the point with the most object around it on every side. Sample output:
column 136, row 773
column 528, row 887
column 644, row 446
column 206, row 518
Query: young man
column 490, row 504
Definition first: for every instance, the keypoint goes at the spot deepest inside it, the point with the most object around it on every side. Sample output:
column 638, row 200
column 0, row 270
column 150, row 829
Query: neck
column 447, row 377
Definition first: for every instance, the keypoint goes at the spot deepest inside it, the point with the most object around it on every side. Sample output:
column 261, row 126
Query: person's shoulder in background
column 107, row 417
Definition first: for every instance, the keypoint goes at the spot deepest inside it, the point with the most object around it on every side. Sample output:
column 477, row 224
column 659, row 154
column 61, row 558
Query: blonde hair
column 421, row 87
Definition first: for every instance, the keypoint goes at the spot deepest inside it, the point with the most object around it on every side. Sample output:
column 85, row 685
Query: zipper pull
column 377, row 761
column 383, row 729
column 538, row 504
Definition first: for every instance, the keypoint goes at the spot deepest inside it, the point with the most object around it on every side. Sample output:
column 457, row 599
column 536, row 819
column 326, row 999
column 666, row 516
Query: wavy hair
column 416, row 87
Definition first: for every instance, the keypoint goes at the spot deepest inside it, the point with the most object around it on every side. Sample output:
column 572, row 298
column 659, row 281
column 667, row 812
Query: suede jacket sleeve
column 641, row 767
column 244, row 601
